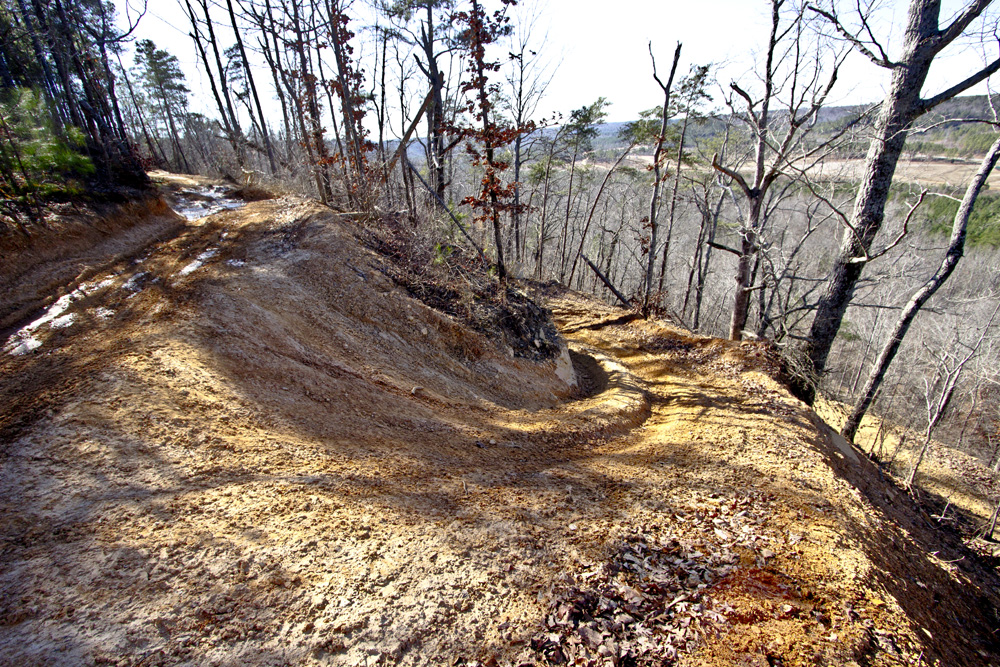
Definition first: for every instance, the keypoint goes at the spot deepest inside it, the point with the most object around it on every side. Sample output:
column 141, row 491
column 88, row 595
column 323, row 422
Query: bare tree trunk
column 607, row 282
column 922, row 41
column 265, row 133
column 435, row 115
column 673, row 201
column 564, row 242
column 956, row 249
column 314, row 135
column 233, row 134
column 657, row 178
column 542, row 237
column 347, row 85
column 233, row 118
column 988, row 534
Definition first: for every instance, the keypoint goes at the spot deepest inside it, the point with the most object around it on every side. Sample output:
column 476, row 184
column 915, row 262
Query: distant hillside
column 951, row 135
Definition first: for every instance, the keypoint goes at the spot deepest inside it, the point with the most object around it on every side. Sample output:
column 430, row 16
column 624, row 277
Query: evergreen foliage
column 61, row 121
column 984, row 223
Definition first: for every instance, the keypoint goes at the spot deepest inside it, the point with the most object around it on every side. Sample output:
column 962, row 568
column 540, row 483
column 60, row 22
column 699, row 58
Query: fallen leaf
column 592, row 637
column 723, row 535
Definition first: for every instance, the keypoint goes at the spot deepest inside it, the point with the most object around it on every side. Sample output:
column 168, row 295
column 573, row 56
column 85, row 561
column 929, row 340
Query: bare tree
column 265, row 134
column 658, row 157
column 420, row 24
column 939, row 392
column 579, row 134
column 216, row 77
column 953, row 255
column 792, row 70
column 923, row 40
column 692, row 94
column 527, row 80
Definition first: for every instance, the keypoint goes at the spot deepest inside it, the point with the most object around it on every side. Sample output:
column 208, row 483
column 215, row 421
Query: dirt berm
column 247, row 445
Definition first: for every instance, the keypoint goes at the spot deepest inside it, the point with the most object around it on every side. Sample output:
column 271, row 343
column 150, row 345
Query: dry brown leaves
column 645, row 606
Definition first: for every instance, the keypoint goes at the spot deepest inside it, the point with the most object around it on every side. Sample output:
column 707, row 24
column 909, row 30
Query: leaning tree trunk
column 264, row 132
column 954, row 253
column 923, row 40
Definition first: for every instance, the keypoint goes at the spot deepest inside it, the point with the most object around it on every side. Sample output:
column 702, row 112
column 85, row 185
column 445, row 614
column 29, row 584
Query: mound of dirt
column 254, row 446
column 72, row 248
column 458, row 283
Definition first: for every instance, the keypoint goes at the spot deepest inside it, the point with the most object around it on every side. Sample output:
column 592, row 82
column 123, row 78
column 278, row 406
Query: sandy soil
column 947, row 479
column 253, row 448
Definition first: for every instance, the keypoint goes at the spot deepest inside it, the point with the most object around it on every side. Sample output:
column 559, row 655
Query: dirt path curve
column 263, row 452
column 834, row 567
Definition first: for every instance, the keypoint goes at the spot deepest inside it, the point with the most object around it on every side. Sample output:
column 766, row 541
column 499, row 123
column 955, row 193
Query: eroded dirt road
column 253, row 448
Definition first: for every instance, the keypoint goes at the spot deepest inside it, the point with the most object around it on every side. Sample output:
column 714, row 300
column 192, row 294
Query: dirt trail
column 254, row 448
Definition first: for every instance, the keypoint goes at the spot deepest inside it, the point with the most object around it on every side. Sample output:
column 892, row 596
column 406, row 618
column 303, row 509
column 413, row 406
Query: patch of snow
column 198, row 262
column 64, row 321
column 236, row 263
column 90, row 288
column 104, row 313
column 200, row 202
column 24, row 345
column 24, row 340
column 133, row 284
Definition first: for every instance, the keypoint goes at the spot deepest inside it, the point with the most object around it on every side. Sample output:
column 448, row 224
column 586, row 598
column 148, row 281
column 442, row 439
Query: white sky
column 599, row 48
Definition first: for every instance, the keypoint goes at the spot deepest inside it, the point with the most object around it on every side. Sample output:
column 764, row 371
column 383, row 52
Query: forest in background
column 742, row 209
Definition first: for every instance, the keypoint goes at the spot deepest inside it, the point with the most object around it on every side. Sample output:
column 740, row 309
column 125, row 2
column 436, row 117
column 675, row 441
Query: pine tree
column 162, row 82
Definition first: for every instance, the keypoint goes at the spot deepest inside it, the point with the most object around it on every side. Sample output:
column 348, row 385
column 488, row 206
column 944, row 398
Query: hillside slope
column 250, row 446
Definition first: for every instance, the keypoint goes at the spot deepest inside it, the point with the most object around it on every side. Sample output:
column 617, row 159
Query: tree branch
column 750, row 103
column 902, row 234
column 958, row 88
column 719, row 246
column 731, row 174
column 958, row 26
column 880, row 60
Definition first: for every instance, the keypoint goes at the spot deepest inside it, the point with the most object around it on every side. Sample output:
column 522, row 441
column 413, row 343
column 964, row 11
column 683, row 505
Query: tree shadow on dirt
column 384, row 456
column 923, row 565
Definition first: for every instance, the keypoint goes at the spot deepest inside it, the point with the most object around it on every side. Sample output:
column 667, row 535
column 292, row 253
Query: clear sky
column 600, row 48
